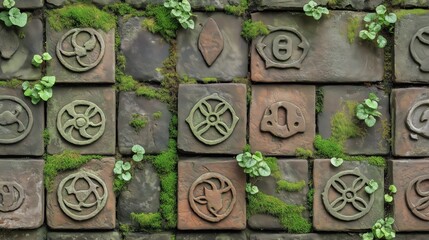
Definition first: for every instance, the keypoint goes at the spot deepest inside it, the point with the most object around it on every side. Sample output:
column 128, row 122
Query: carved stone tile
column 298, row 4
column 282, row 118
column 84, row 235
column 83, row 198
column 214, row 49
column 81, row 55
column 82, row 119
column 22, row 194
column 21, row 124
column 292, row 52
column 309, row 236
column 211, row 236
column 340, row 201
column 196, row 4
column 27, row 4
column 211, row 194
column 341, row 100
column 212, row 118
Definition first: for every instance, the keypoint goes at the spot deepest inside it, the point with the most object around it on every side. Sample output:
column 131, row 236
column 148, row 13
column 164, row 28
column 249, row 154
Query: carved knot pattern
column 212, row 113
column 284, row 47
column 294, row 121
column 419, row 47
column 417, row 196
column 210, row 42
column 16, row 120
column 212, row 197
column 81, row 49
column 82, row 195
column 417, row 119
column 81, row 122
column 347, row 201
column 11, row 196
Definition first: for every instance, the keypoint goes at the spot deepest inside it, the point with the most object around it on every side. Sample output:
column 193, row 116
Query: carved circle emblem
column 418, row 119
column 82, row 195
column 294, row 121
column 212, row 197
column 417, row 196
column 212, row 119
column 16, row 119
column 11, row 196
column 338, row 195
column 81, row 49
column 81, row 122
column 419, row 48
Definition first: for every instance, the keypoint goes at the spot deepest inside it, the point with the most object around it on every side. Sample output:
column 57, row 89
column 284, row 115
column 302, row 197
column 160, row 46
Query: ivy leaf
column 381, row 41
column 126, row 176
column 324, row 10
column 361, row 115
column 28, row 92
column 138, row 149
column 137, row 157
column 381, row 9
column 25, row 85
column 367, row 236
column 264, row 170
column 370, row 121
column 176, row 13
column 336, row 162
column 17, row 18
column 126, row 166
column 393, row 189
column 46, row 56
column 388, row 198
column 119, row 164
column 371, row 187
column 317, row 14
column 389, row 221
column 37, row 60
column 4, row 16
column 8, row 3
column 250, row 163
column 391, row 18
column 186, row 5
column 372, row 104
column 45, row 94
column 48, row 81
column 117, row 170
column 307, row 8
column 258, row 156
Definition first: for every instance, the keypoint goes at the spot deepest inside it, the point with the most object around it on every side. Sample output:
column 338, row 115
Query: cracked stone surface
column 196, row 4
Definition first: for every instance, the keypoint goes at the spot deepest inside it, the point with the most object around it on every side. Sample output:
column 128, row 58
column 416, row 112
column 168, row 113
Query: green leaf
column 390, row 220
column 126, row 176
column 388, row 198
column 37, row 60
column 381, row 9
column 4, row 16
column 372, row 104
column 8, row 3
column 381, row 41
column 307, row 8
column 264, row 170
column 126, row 166
column 25, row 85
column 239, row 157
column 176, row 13
column 45, row 94
column 17, row 18
column 312, row 3
column 370, row 17
column 374, row 97
column 46, row 56
column 250, row 163
column 35, row 100
column 371, row 187
column 191, row 24
column 323, row 10
column 48, row 81
column 138, row 157
column 258, row 156
column 391, row 18
column 362, row 115
column 367, row 236
column 117, row 170
column 370, row 121
column 119, row 163
column 317, row 14
column 28, row 92
column 393, row 189
column 138, row 149
column 186, row 5
column 251, row 189
column 336, row 162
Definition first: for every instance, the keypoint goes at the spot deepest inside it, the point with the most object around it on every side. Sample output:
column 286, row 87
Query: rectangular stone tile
column 214, row 50
column 67, row 207
column 82, row 119
column 211, row 194
column 25, row 4
column 149, row 236
column 341, row 101
column 212, row 118
column 411, row 58
column 309, row 236
column 299, row 4
column 211, row 236
column 21, row 124
column 412, row 3
column 282, row 118
column 96, row 65
column 196, row 4
column 412, row 236
column 22, row 195
column 84, row 236
column 324, row 53
column 340, row 201
column 60, row 3
column 33, row 234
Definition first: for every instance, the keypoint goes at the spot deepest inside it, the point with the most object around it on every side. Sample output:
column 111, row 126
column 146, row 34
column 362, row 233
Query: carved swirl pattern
column 417, row 196
column 11, row 196
column 418, row 119
column 418, row 48
column 16, row 119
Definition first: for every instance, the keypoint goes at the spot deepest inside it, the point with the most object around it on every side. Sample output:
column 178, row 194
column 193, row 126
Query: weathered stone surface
column 282, row 118
column 232, row 61
column 140, row 195
column 292, row 170
column 60, row 3
column 330, row 181
column 310, row 236
column 298, row 4
column 100, row 216
column 144, row 51
column 153, row 236
column 84, row 236
column 154, row 136
column 341, row 100
column 17, row 139
column 101, row 63
column 412, row 236
column 342, row 61
column 22, row 195
column 196, row 4
column 27, row 4
column 412, row 3
column 411, row 136
column 34, row 234
column 16, row 53
column 200, row 185
column 409, row 31
column 226, row 100
column 96, row 101
column 212, row 236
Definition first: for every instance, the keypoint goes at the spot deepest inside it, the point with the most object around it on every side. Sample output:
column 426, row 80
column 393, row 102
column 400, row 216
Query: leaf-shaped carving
column 9, row 42
column 210, row 42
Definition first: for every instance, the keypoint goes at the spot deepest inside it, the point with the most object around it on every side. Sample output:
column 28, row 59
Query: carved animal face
column 214, row 199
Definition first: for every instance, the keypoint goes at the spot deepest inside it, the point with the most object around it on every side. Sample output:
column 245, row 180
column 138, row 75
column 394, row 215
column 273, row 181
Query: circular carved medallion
column 418, row 119
column 417, row 196
column 419, row 48
column 16, row 119
column 11, row 196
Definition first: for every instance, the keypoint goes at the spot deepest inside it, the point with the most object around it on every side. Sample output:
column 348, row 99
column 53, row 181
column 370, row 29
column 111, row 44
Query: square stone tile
column 31, row 234
column 308, row 236
column 299, row 4
column 413, row 3
column 82, row 119
column 16, row 53
column 211, row 236
column 211, row 194
column 97, row 65
column 60, row 3
column 214, row 49
column 343, row 187
column 411, row 55
column 196, row 4
column 292, row 170
column 21, row 124
column 84, row 235
column 25, row 4
column 282, row 118
column 154, row 136
column 271, row 61
column 218, row 115
column 95, row 180
column 340, row 100
column 22, row 194
column 409, row 106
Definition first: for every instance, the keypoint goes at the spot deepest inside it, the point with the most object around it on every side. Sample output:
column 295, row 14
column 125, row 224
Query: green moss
column 319, row 100
column 165, row 23
column 13, row 83
column 149, row 24
column 125, row 228
column 188, row 80
column 80, row 15
column 153, row 93
column 397, row 2
column 252, row 29
column 247, row 148
column 148, row 221
column 210, row 8
column 283, row 185
column 344, row 125
column 138, row 121
column 405, row 12
column 157, row 115
column 237, row 10
column 122, row 9
column 372, row 160
column 209, row 79
column 353, row 25
column 125, row 82
column 46, row 136
column 304, row 153
column 68, row 160
column 118, row 185
column 386, row 130
column 274, row 166
column 310, row 200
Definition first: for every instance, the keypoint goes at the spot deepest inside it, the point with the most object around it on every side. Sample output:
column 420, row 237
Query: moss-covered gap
column 252, row 29
column 237, row 10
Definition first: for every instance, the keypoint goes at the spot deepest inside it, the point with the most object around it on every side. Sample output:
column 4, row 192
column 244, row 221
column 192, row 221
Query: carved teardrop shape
column 210, row 42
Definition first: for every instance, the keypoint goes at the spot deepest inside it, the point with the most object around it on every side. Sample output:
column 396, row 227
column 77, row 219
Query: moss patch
column 405, row 12
column 237, row 10
column 304, row 153
column 14, row 83
column 148, row 221
column 252, row 29
column 344, row 125
column 353, row 25
column 157, row 115
column 123, row 9
column 319, row 100
column 164, row 23
column 284, row 185
column 46, row 136
column 138, row 121
column 210, row 8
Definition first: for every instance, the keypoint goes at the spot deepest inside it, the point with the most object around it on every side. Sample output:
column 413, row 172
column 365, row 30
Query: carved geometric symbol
column 82, row 195
column 210, row 42
column 11, row 196
column 417, row 196
column 16, row 119
column 9, row 43
column 212, row 112
column 345, row 202
column 294, row 121
column 81, row 122
column 284, row 47
column 212, row 197
column 418, row 119
column 419, row 48
column 81, row 49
